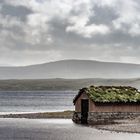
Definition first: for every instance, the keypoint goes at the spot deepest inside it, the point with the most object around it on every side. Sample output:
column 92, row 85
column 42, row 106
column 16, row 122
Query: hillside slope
column 72, row 69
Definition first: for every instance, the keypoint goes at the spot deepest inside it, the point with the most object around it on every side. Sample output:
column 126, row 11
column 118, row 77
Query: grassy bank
column 64, row 114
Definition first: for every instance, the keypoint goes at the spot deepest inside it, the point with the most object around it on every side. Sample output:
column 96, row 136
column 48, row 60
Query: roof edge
column 81, row 91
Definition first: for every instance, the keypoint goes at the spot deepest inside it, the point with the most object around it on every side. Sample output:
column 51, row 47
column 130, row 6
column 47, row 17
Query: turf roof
column 111, row 94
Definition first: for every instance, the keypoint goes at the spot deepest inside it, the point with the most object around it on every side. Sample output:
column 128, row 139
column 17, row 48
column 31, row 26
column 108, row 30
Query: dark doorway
column 84, row 110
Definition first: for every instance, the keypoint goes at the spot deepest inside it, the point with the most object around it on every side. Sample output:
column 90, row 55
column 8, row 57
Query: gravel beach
column 131, row 126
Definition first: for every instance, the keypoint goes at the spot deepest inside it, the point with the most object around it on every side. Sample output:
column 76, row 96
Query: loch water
column 36, row 101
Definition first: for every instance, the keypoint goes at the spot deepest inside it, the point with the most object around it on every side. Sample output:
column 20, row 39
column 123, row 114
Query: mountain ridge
column 67, row 60
column 72, row 69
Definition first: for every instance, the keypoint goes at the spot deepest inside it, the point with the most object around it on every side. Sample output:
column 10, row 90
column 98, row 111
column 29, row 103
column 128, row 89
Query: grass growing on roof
column 113, row 94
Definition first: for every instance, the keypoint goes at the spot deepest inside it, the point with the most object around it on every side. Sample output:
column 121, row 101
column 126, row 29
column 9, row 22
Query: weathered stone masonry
column 104, row 117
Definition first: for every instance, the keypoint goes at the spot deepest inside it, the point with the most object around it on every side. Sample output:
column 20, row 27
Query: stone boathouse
column 104, row 104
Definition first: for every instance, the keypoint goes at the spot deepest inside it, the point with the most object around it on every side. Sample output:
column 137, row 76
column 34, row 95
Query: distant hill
column 63, row 84
column 72, row 69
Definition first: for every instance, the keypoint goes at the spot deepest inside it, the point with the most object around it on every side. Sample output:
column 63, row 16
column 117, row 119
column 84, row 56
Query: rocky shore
column 129, row 125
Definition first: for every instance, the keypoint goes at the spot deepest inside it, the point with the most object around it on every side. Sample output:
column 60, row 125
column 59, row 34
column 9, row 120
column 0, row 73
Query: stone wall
column 105, row 117
column 77, row 117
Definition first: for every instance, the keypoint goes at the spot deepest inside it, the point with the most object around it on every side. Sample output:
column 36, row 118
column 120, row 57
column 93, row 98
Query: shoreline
column 125, row 126
column 40, row 115
column 113, row 129
column 117, row 131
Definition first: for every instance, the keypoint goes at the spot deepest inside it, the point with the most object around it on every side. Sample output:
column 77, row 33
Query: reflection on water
column 36, row 101
column 55, row 129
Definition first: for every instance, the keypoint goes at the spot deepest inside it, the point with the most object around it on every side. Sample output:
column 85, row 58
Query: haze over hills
column 72, row 69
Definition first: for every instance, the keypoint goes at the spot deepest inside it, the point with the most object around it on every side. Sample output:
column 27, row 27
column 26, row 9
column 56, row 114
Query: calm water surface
column 47, row 129
column 55, row 129
column 36, row 101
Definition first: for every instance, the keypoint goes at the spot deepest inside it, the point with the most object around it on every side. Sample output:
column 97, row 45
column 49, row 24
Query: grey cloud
column 57, row 30
column 17, row 11
column 1, row 1
column 118, row 45
column 103, row 15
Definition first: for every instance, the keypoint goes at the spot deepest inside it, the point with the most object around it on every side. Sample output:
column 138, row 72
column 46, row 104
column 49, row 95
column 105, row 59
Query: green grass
column 65, row 114
column 113, row 93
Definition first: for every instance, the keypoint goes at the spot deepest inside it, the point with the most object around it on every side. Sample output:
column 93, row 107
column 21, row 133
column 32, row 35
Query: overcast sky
column 38, row 31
